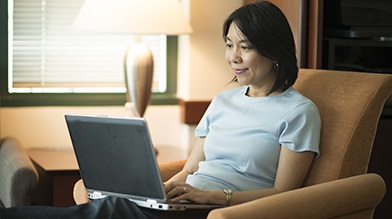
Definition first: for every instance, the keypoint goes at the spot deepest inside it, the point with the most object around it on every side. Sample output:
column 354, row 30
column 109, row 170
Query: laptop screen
column 115, row 155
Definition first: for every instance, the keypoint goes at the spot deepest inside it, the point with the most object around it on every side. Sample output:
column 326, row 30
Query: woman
column 253, row 141
column 259, row 139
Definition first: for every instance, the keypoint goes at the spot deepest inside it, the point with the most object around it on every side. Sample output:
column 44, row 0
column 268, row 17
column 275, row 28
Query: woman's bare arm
column 192, row 163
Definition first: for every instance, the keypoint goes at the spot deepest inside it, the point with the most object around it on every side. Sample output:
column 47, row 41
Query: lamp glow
column 134, row 17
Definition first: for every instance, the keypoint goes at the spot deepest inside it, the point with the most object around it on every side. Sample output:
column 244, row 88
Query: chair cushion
column 350, row 104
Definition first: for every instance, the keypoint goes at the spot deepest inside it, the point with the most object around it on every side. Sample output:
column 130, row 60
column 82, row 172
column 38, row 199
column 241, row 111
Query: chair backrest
column 350, row 105
column 18, row 176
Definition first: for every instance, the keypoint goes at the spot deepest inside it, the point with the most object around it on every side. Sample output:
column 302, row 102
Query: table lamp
column 135, row 17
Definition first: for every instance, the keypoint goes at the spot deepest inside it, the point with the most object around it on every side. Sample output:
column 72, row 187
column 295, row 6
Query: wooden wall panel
column 315, row 33
column 192, row 111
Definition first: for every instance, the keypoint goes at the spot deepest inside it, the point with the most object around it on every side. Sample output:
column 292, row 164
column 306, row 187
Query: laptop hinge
column 151, row 201
column 95, row 195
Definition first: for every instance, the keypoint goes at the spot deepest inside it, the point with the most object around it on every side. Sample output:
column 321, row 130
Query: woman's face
column 248, row 65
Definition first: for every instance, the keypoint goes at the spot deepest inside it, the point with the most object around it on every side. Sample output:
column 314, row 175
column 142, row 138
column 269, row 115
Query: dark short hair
column 269, row 32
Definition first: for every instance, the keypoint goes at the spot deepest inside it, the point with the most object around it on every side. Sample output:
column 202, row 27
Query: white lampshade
column 136, row 17
column 133, row 16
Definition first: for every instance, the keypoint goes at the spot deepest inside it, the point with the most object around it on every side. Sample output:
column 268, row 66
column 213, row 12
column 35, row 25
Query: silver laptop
column 116, row 158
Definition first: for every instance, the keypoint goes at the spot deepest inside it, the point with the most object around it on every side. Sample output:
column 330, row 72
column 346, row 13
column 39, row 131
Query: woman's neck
column 261, row 92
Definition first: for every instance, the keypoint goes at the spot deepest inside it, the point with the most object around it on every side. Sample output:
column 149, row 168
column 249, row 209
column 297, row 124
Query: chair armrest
column 18, row 176
column 167, row 170
column 358, row 195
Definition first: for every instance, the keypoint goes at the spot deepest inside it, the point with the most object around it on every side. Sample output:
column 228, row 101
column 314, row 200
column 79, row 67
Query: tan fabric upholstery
column 18, row 176
column 350, row 105
column 326, row 200
column 170, row 169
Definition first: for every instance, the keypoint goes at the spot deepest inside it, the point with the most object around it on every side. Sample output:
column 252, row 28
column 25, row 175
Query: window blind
column 47, row 56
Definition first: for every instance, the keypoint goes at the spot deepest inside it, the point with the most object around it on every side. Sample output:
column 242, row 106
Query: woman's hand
column 180, row 191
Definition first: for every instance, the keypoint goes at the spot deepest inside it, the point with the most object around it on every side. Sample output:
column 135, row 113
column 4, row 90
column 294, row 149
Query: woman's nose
column 235, row 56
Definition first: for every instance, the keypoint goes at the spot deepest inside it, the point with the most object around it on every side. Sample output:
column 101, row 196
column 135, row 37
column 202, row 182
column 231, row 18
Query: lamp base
column 138, row 66
column 130, row 110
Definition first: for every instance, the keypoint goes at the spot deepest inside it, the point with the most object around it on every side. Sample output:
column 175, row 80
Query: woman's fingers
column 176, row 190
column 180, row 191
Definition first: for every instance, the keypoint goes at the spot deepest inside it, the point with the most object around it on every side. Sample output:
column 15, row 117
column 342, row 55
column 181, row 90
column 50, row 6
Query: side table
column 58, row 172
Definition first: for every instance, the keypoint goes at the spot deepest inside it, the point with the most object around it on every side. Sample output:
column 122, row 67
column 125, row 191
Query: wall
column 202, row 73
column 45, row 127
column 208, row 71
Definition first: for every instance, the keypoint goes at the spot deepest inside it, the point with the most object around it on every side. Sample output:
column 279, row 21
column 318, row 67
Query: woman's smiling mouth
column 239, row 71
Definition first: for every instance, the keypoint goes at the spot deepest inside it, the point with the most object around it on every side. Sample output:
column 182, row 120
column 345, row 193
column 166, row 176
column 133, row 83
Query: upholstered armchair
column 337, row 184
column 18, row 176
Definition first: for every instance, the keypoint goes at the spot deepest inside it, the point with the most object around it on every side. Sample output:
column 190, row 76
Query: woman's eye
column 245, row 47
column 229, row 45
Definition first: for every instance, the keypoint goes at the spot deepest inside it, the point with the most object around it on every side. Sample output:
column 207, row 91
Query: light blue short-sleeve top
column 244, row 137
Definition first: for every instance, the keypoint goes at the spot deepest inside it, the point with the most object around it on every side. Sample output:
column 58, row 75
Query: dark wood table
column 58, row 172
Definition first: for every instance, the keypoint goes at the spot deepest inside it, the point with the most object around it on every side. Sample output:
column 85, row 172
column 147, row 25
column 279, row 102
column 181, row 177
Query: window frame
column 78, row 99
